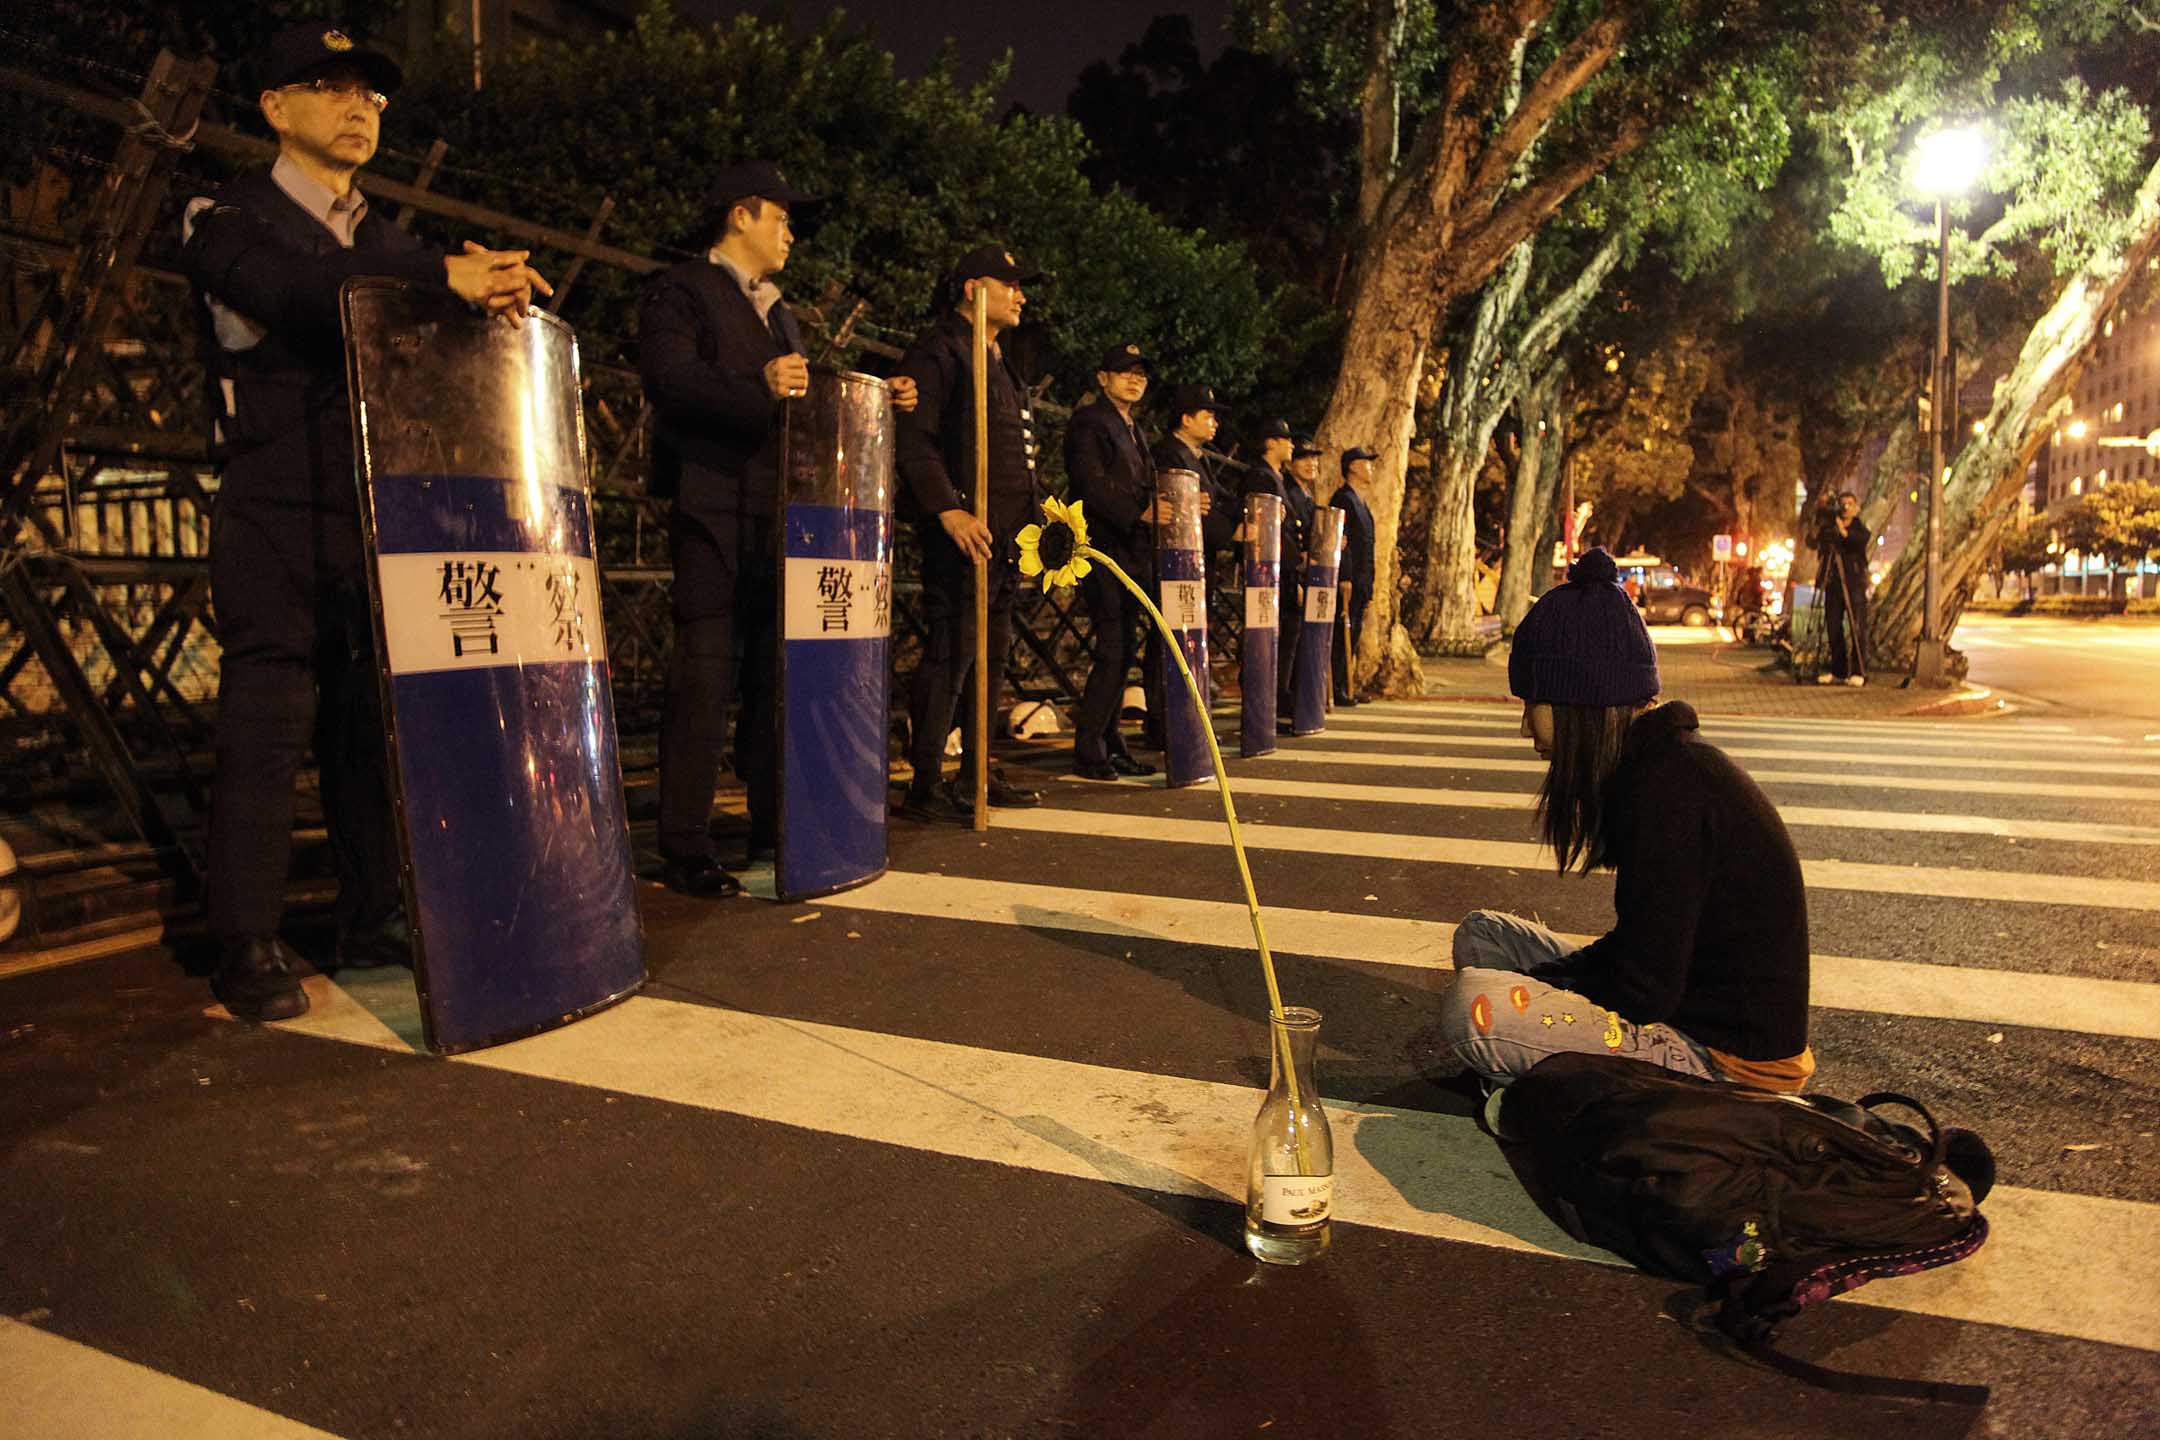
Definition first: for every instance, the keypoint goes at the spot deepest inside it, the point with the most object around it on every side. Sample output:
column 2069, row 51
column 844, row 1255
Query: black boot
column 256, row 981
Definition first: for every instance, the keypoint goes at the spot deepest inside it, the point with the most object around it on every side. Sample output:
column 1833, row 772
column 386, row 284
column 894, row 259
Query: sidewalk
column 1719, row 676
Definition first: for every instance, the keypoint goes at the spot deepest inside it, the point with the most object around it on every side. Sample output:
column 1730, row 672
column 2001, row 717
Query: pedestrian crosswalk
column 2032, row 1012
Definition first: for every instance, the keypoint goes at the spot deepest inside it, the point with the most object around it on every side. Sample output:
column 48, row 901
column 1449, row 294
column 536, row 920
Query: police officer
column 1299, row 483
column 1114, row 479
column 267, row 254
column 719, row 350
column 1193, row 421
column 1270, row 476
column 1356, row 577
column 936, row 460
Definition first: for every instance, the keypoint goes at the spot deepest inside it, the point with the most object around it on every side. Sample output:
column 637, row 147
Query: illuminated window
column 2077, row 485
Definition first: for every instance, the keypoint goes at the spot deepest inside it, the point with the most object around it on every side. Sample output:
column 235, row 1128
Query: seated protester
column 1706, row 969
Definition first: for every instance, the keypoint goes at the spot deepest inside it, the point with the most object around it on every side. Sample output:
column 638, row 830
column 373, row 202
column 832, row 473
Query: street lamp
column 1945, row 164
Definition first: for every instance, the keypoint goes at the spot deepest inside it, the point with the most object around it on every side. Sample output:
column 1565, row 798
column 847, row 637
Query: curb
column 1971, row 700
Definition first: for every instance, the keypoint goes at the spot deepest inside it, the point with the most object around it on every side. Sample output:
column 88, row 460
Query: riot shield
column 1181, row 562
column 504, row 775
column 1316, row 641
column 836, row 542
column 1259, row 646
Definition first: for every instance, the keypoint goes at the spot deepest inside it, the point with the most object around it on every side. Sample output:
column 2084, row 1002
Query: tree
column 2073, row 206
column 2124, row 522
column 1458, row 165
column 2023, row 550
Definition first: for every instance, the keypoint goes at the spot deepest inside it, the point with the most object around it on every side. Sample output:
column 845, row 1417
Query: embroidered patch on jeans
column 1481, row 1014
column 1519, row 997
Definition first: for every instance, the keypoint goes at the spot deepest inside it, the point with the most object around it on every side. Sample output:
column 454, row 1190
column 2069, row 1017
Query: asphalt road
column 2106, row 671
column 960, row 1153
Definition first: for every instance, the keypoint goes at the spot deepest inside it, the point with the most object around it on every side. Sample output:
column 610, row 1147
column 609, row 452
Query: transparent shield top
column 1325, row 547
column 439, row 395
column 1263, row 523
column 1182, row 530
column 836, row 443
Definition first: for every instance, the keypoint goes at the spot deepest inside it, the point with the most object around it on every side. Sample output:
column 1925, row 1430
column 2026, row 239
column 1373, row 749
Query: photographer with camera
column 1841, row 579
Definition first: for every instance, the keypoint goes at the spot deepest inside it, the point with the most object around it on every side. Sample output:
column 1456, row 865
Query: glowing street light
column 1944, row 166
column 2077, row 430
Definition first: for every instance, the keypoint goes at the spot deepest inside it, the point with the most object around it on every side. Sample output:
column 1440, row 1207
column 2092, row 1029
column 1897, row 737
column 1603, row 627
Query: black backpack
column 1771, row 1202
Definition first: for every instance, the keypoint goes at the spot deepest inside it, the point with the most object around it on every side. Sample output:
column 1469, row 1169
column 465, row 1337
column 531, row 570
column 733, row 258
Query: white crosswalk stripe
column 1943, row 785
column 1410, row 1171
column 2094, row 832
column 1506, row 854
column 1719, row 728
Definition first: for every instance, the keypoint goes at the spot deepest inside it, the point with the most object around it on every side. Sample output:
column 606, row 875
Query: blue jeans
column 1500, row 1021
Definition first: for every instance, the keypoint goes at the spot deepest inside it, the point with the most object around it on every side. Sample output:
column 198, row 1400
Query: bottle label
column 1296, row 1199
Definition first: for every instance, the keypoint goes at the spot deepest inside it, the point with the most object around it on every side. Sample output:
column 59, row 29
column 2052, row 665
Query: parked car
column 1666, row 598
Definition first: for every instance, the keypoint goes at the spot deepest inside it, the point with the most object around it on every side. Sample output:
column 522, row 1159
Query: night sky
column 1052, row 41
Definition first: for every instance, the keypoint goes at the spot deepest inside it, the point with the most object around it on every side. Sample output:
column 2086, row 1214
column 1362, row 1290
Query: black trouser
column 727, row 606
column 1839, row 607
column 1290, row 622
column 944, row 679
column 298, row 665
column 1115, row 626
column 1349, row 621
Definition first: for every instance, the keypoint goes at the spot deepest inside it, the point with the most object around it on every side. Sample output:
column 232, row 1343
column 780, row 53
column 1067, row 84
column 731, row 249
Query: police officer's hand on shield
column 498, row 281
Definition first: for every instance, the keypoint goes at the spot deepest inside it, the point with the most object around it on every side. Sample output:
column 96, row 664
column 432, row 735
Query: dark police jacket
column 1113, row 476
column 702, row 353
column 1357, row 560
column 1298, row 508
column 935, row 449
column 1219, row 525
column 1265, row 479
column 288, row 433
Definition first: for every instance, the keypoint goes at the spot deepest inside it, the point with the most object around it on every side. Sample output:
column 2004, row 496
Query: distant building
column 2118, row 399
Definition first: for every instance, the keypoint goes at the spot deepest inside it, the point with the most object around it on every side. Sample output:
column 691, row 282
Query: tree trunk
column 1375, row 403
column 1980, row 493
column 1532, row 496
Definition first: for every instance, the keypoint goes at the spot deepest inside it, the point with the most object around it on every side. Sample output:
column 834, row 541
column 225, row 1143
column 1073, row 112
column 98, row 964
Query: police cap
column 1275, row 430
column 754, row 180
column 1188, row 399
column 1303, row 444
column 1120, row 358
column 996, row 262
column 301, row 52
column 1359, row 452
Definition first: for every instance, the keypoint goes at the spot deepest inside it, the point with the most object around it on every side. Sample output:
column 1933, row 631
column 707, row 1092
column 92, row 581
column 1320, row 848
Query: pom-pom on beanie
column 1584, row 643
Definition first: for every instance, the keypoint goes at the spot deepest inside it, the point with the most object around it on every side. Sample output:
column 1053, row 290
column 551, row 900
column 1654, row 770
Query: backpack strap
column 1750, row 1308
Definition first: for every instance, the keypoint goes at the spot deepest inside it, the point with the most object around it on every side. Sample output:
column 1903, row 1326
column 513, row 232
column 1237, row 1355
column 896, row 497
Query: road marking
column 2053, row 790
column 1483, row 715
column 2126, row 1008
column 58, row 1389
column 1715, row 726
column 2094, row 832
column 2086, row 891
column 1413, row 1172
column 1745, row 752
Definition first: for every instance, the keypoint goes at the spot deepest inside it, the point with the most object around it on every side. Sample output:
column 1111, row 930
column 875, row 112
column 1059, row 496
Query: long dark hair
column 1586, row 748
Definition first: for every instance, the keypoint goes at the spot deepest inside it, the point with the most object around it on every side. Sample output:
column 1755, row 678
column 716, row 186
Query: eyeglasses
column 343, row 90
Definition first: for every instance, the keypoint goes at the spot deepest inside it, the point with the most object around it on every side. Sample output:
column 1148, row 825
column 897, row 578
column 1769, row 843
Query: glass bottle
column 1290, row 1193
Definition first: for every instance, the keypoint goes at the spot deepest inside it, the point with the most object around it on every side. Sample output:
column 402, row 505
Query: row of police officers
column 719, row 353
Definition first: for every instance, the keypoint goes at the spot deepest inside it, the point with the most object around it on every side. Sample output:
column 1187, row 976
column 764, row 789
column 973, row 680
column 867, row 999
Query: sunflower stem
column 1279, row 1037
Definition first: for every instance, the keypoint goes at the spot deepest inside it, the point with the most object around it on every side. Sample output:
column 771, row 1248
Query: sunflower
column 1057, row 551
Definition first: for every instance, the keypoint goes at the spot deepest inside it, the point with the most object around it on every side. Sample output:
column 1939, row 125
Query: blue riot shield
column 505, row 781
column 836, row 477
column 1316, row 642
column 1181, row 562
column 1259, row 647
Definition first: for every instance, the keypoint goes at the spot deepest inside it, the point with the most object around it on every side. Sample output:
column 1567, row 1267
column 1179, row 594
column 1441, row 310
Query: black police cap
column 754, row 180
column 996, row 262
column 301, row 52
column 1187, row 399
column 1303, row 444
column 1360, row 452
column 1120, row 358
column 1275, row 430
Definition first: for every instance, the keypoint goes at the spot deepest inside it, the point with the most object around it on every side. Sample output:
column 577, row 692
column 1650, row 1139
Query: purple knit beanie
column 1584, row 643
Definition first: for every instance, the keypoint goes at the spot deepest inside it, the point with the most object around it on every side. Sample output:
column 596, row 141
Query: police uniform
column 1113, row 477
column 1218, row 527
column 267, row 254
column 706, row 332
column 935, row 457
column 1298, row 507
column 1357, row 570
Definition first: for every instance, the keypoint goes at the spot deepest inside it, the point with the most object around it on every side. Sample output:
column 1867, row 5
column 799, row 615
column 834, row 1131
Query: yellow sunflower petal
column 1030, row 560
column 1079, row 568
column 1030, row 537
column 1079, row 523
